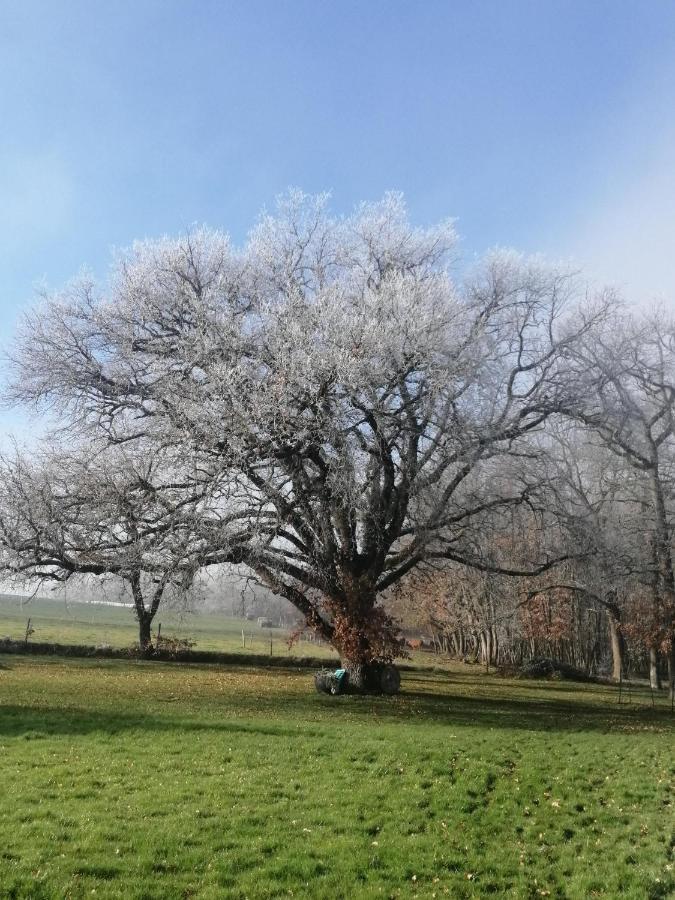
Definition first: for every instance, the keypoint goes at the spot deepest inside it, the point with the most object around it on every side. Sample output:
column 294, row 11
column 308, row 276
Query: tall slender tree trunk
column 484, row 650
column 666, row 576
column 654, row 677
column 618, row 646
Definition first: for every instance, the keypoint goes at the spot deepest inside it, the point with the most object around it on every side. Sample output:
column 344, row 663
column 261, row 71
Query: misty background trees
column 486, row 458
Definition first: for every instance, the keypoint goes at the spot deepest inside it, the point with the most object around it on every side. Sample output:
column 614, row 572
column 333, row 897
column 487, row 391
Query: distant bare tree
column 118, row 512
column 628, row 402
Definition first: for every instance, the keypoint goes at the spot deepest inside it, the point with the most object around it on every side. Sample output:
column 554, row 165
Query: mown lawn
column 132, row 779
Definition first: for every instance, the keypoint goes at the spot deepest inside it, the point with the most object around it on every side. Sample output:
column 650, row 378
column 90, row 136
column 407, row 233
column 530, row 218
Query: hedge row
column 190, row 656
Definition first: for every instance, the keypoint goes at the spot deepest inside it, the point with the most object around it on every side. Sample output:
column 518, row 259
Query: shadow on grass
column 410, row 708
column 428, row 698
column 569, row 687
column 539, row 714
column 38, row 722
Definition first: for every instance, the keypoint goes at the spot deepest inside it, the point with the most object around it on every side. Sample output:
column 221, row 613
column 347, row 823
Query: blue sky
column 548, row 126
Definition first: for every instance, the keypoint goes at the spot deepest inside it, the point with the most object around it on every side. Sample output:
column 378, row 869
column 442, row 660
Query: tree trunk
column 364, row 669
column 495, row 647
column 484, row 650
column 365, row 637
column 372, row 677
column 664, row 560
column 618, row 647
column 144, row 614
column 362, row 676
column 671, row 672
column 654, row 677
column 144, row 633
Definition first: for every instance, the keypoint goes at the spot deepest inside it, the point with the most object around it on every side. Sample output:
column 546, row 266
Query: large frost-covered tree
column 365, row 410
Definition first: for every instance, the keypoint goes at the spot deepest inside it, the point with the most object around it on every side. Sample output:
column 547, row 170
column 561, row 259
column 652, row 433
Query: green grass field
column 91, row 623
column 149, row 780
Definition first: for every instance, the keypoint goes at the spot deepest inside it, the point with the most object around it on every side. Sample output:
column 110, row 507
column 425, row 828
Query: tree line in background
column 331, row 410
